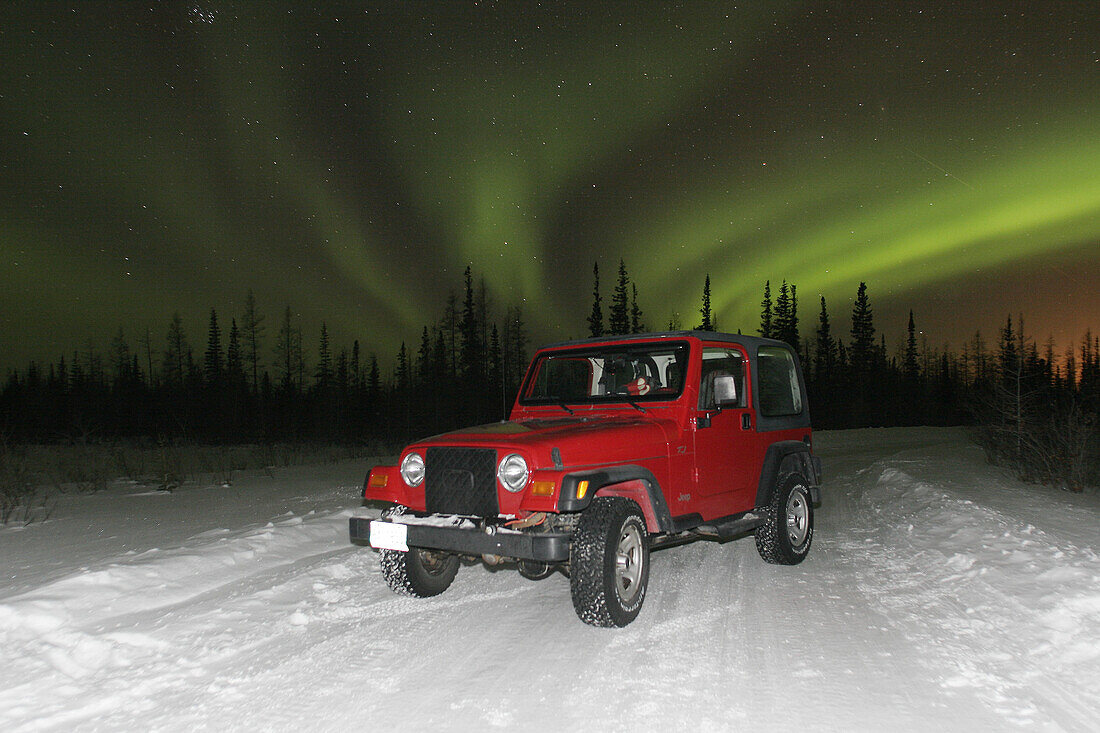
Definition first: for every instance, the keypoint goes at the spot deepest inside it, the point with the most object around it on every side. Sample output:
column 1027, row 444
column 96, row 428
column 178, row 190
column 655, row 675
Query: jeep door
column 727, row 454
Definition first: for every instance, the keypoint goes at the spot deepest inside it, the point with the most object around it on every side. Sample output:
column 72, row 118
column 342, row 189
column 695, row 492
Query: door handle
column 746, row 421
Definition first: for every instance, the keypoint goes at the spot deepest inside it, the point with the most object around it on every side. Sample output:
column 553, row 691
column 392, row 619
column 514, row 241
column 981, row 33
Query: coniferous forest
column 255, row 377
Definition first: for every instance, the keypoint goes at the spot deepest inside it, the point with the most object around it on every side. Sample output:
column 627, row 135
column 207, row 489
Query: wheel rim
column 629, row 563
column 798, row 518
column 434, row 563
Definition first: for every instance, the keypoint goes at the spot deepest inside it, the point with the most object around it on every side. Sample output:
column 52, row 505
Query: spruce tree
column 252, row 330
column 175, row 355
column 911, row 368
column 121, row 363
column 619, row 317
column 862, row 348
column 323, row 373
column 354, row 366
column 707, row 324
column 766, row 327
column 287, row 347
column 213, row 364
column 785, row 321
column 472, row 354
column 234, row 362
column 636, row 324
column 424, row 358
column 825, row 354
column 595, row 318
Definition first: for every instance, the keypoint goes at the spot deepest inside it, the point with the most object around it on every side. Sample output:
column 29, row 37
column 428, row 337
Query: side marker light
column 582, row 489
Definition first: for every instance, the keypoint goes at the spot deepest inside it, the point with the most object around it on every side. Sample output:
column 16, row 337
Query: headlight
column 513, row 472
column 412, row 469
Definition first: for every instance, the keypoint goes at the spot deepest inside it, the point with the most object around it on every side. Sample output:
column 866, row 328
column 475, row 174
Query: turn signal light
column 582, row 489
column 378, row 480
column 542, row 488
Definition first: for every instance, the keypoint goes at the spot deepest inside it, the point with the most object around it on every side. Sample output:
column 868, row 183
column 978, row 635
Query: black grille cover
column 461, row 481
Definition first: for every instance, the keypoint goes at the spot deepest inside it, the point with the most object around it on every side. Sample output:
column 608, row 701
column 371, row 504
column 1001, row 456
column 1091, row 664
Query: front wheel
column 609, row 562
column 788, row 529
column 418, row 572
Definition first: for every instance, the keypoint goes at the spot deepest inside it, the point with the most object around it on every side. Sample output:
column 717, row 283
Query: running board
column 727, row 530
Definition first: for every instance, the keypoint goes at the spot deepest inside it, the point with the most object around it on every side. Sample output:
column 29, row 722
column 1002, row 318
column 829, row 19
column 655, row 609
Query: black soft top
column 734, row 338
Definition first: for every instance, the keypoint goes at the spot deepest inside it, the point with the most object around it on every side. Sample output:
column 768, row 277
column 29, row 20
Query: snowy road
column 940, row 595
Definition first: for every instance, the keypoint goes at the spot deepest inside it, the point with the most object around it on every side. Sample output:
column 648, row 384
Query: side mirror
column 725, row 390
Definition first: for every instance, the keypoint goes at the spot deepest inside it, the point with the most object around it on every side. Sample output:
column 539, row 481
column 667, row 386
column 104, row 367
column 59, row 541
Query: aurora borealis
column 350, row 161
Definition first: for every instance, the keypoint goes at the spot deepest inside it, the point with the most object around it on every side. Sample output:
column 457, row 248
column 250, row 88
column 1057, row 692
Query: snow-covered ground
column 940, row 594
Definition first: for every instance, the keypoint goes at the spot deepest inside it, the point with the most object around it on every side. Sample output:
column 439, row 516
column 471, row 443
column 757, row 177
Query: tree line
column 253, row 381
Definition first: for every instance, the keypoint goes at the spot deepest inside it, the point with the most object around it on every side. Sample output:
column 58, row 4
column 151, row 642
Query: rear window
column 780, row 392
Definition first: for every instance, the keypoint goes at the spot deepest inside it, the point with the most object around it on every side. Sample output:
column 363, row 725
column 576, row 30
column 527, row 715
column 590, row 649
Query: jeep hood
column 582, row 441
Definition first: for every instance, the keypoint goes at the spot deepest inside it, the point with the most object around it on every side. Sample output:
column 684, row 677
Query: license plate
column 389, row 536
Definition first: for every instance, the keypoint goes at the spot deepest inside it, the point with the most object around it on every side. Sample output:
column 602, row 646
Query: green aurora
column 351, row 162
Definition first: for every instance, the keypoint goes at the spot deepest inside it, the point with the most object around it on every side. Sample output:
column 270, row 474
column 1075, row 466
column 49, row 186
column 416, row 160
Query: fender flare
column 788, row 456
column 657, row 515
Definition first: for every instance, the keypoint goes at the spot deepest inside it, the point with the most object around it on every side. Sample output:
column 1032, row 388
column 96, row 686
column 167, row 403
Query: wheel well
column 637, row 492
column 630, row 481
column 788, row 456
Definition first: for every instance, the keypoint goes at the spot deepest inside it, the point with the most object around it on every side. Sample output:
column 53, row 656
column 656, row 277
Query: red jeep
column 615, row 446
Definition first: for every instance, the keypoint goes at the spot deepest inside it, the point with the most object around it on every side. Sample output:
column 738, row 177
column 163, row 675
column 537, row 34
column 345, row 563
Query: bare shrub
column 19, row 497
column 1044, row 436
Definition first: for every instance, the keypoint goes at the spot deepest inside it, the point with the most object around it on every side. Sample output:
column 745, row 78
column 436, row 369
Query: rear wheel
column 535, row 569
column 788, row 529
column 609, row 562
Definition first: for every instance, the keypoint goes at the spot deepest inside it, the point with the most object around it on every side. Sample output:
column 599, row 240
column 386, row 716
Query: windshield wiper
column 633, row 404
column 560, row 403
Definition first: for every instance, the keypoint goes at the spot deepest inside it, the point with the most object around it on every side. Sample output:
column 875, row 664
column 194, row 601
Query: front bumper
column 548, row 547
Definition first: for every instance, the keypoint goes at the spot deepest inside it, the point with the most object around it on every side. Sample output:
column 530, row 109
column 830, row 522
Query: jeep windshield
column 626, row 373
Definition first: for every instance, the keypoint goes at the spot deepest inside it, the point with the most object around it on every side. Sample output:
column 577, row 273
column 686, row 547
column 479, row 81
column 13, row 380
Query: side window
column 721, row 361
column 779, row 390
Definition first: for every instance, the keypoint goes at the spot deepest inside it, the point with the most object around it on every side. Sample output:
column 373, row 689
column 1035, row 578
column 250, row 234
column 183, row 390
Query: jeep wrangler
column 614, row 447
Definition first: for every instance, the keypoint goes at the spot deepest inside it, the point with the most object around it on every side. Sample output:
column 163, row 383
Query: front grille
column 461, row 481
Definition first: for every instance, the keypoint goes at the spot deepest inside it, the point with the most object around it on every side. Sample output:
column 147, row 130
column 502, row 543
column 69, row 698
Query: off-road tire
column 609, row 562
column 420, row 573
column 788, row 529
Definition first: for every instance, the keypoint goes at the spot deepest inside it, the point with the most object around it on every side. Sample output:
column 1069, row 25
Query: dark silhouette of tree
column 213, row 362
column 323, row 373
column 862, row 345
column 234, row 361
column 513, row 351
column 785, row 321
column 911, row 368
column 595, row 317
column 707, row 324
column 252, row 330
column 471, row 357
column 618, row 322
column 636, row 323
column 496, row 390
column 175, row 353
column 825, row 353
column 145, row 341
column 766, row 328
column 289, row 359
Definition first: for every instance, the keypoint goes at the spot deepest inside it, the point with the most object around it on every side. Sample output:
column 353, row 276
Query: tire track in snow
column 951, row 576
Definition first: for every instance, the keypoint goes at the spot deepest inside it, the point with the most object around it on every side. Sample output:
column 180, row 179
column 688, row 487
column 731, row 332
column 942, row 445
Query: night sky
column 351, row 161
